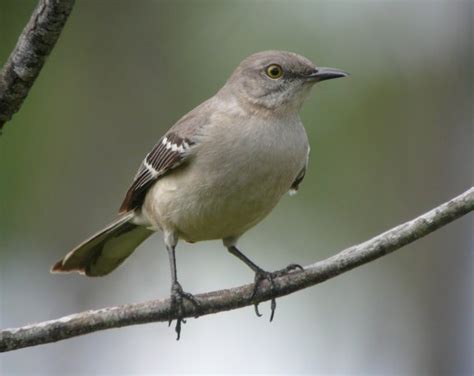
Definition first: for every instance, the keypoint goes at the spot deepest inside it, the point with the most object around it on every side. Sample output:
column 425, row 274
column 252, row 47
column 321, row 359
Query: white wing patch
column 150, row 168
column 167, row 154
column 169, row 145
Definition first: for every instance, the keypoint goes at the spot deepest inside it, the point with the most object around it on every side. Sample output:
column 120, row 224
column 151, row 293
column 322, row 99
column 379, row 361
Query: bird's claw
column 177, row 297
column 261, row 275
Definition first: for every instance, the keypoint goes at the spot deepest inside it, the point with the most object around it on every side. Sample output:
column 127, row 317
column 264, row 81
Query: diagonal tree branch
column 25, row 62
column 224, row 300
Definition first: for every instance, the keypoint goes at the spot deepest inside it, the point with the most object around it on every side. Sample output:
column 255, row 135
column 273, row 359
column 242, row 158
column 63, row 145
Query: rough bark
column 33, row 47
column 224, row 300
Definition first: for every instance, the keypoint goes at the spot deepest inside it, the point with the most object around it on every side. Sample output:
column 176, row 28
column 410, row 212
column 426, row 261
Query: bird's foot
column 262, row 275
column 177, row 297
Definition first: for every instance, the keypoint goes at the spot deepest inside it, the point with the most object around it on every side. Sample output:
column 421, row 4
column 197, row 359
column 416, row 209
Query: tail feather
column 104, row 251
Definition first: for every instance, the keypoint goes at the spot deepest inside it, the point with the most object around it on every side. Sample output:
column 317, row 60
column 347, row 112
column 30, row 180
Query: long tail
column 106, row 250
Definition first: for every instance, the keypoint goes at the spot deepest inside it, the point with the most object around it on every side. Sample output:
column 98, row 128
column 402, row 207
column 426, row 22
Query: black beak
column 322, row 74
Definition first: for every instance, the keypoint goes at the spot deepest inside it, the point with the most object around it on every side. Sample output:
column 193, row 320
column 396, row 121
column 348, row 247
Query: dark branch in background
column 224, row 300
column 25, row 62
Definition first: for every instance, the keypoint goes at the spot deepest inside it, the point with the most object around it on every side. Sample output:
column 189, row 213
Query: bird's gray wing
column 170, row 152
column 296, row 183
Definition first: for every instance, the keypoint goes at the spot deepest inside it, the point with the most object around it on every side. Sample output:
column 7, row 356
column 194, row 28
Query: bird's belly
column 230, row 185
column 215, row 206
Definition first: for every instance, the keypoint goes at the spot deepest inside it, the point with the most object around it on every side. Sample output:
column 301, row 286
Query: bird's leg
column 177, row 293
column 261, row 275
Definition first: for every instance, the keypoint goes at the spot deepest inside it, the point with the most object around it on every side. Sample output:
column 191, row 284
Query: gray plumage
column 220, row 169
column 106, row 250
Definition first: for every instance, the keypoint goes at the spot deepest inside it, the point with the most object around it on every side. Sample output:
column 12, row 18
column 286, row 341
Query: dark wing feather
column 296, row 184
column 170, row 152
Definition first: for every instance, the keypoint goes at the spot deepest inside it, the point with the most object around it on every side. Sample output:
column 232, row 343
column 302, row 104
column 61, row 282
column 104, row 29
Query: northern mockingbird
column 217, row 172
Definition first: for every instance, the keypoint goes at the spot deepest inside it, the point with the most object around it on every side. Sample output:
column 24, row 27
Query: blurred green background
column 390, row 142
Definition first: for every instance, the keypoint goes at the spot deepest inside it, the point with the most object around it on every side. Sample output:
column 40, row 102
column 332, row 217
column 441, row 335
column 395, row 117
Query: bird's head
column 276, row 80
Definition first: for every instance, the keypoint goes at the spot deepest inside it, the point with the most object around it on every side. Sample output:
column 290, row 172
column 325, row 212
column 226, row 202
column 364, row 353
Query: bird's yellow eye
column 274, row 71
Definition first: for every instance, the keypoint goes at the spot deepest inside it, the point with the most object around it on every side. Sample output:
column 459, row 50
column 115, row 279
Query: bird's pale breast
column 233, row 180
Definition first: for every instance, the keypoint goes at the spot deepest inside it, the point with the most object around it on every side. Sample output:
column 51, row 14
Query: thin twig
column 26, row 60
column 224, row 300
